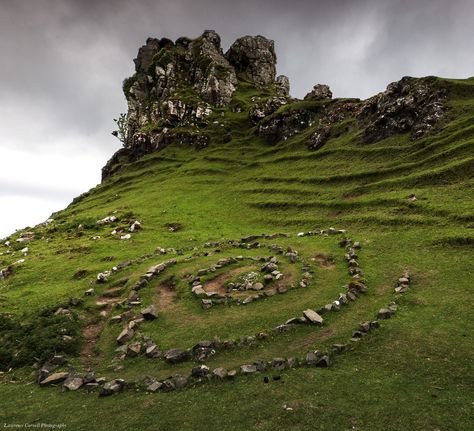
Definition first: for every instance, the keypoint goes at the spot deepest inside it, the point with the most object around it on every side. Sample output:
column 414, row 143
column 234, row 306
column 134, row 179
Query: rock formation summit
column 189, row 92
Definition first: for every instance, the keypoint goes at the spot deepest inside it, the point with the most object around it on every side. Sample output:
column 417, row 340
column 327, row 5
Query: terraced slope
column 414, row 371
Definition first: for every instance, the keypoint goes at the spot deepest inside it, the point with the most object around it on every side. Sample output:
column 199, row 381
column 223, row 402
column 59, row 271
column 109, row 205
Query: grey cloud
column 63, row 61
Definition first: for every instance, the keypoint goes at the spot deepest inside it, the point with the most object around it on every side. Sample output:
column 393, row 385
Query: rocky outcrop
column 284, row 125
column 319, row 92
column 184, row 92
column 407, row 106
column 180, row 84
column 254, row 56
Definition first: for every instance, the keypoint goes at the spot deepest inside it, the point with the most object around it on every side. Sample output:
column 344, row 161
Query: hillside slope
column 394, row 173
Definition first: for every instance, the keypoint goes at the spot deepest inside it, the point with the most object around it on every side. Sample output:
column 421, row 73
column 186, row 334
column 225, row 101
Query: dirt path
column 92, row 331
column 217, row 283
column 325, row 261
column 165, row 296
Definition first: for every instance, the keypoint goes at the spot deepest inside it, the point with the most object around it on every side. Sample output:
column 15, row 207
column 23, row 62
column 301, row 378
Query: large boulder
column 319, row 92
column 254, row 56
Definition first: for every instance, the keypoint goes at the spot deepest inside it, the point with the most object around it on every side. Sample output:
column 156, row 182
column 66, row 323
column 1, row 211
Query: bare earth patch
column 91, row 332
column 217, row 283
column 325, row 261
column 165, row 296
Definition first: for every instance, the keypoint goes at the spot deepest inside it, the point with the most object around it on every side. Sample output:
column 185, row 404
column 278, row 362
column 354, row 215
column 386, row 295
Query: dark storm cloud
column 63, row 62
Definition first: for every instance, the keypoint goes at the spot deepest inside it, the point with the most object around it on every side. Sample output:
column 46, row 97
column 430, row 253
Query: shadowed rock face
column 409, row 105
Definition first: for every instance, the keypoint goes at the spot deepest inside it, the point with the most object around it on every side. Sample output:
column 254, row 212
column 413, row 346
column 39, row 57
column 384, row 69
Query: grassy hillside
column 414, row 372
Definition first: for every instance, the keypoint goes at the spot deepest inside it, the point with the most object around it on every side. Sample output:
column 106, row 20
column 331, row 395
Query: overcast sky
column 63, row 62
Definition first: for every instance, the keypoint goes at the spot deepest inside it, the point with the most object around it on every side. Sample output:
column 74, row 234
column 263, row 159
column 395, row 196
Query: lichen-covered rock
column 407, row 106
column 176, row 84
column 319, row 92
column 319, row 138
column 254, row 56
column 282, row 84
column 265, row 107
column 285, row 125
column 214, row 77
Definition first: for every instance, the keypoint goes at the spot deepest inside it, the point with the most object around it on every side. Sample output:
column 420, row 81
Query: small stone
column 112, row 387
column 384, row 313
column 278, row 363
column 167, row 386
column 351, row 296
column 201, row 371
column 364, row 327
column 154, row 387
column 292, row 362
column 153, row 351
column 54, row 379
column 175, row 356
column 206, row 303
column 149, row 313
column 125, row 335
column 198, row 290
column 313, row 317
column 89, row 292
column 311, row 358
column 180, row 381
column 73, row 383
column 134, row 349
column 220, row 373
column 248, row 369
column 339, row 348
column 323, row 362
column 374, row 324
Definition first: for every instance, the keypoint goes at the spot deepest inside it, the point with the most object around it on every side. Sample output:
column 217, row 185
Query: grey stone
column 201, row 371
column 153, row 351
column 134, row 349
column 278, row 363
column 175, row 356
column 125, row 335
column 319, row 92
column 154, row 387
column 384, row 313
column 180, row 381
column 248, row 369
column 54, row 379
column 73, row 383
column 150, row 312
column 313, row 317
column 206, row 303
column 220, row 373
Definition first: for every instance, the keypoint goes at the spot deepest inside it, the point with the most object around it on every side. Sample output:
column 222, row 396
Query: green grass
column 415, row 372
